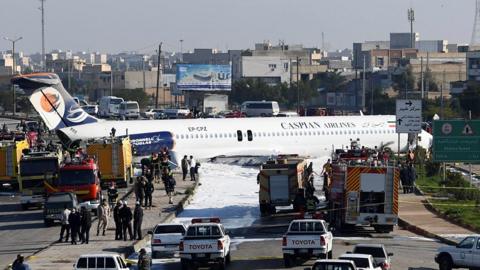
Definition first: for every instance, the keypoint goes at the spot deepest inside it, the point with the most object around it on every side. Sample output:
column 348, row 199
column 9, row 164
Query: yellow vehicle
column 36, row 168
column 114, row 157
column 280, row 182
column 10, row 154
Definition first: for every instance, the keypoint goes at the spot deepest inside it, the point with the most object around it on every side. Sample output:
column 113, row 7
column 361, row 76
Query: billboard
column 195, row 77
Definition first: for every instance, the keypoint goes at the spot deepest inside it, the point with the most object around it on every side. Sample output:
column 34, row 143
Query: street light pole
column 298, row 87
column 14, row 71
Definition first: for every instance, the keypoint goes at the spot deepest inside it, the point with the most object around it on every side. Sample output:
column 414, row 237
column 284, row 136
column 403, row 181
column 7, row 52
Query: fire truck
column 10, row 154
column 35, row 169
column 79, row 176
column 281, row 181
column 363, row 191
column 114, row 157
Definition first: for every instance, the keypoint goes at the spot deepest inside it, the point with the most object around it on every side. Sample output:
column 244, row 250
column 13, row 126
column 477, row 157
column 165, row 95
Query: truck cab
column 80, row 176
column 466, row 254
column 205, row 242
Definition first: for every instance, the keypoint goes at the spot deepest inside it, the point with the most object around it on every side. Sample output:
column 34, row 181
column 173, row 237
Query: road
column 23, row 231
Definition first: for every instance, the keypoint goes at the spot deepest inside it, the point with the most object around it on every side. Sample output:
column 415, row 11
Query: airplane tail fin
column 52, row 102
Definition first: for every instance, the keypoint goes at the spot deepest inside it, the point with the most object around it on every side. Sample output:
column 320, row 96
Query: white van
column 129, row 109
column 260, row 108
column 103, row 261
column 109, row 106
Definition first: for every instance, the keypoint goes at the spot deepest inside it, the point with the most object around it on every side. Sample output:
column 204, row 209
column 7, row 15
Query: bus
column 260, row 108
column 109, row 106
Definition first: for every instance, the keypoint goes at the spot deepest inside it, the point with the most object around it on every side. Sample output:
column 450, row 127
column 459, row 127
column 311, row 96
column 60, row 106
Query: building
column 359, row 48
column 403, row 40
column 473, row 66
column 433, row 46
column 270, row 69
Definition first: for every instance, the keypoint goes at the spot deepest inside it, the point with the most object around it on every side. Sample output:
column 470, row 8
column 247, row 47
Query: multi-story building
column 473, row 66
column 403, row 40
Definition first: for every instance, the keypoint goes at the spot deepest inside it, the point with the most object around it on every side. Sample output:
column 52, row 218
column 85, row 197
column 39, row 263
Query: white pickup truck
column 307, row 238
column 464, row 255
column 205, row 242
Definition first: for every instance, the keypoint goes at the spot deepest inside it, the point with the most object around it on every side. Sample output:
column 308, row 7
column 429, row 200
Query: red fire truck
column 81, row 177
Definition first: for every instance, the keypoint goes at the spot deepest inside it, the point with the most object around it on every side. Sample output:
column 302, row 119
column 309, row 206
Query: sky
column 112, row 26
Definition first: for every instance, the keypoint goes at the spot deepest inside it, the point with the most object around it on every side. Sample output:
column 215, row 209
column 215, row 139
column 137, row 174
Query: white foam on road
column 229, row 192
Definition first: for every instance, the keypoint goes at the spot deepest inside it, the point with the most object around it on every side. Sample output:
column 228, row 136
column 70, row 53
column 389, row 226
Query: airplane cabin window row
column 281, row 134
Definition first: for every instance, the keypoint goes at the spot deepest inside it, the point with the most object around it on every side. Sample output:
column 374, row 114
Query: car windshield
column 376, row 252
column 61, row 198
column 359, row 262
column 332, row 266
column 38, row 166
column 78, row 177
column 203, row 231
column 116, row 101
column 132, row 106
column 169, row 229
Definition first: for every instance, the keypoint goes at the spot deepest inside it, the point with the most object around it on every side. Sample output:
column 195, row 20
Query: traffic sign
column 456, row 141
column 409, row 116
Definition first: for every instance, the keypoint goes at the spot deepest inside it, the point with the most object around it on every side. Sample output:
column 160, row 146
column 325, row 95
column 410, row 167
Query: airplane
column 209, row 138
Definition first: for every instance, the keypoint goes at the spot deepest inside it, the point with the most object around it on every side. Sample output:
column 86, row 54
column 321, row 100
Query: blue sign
column 195, row 77
column 148, row 143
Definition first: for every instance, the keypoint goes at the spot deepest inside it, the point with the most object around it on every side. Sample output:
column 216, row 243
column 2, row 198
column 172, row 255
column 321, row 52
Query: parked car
column 101, row 261
column 362, row 261
column 154, row 114
column 381, row 257
column 260, row 108
column 166, row 238
column 464, row 255
column 91, row 109
column 54, row 205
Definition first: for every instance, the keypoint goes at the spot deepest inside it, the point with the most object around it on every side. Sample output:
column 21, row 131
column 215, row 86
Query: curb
column 169, row 217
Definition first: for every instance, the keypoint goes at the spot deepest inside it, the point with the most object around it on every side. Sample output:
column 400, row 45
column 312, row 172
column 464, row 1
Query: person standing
column 192, row 164
column 169, row 183
column 155, row 167
column 65, row 225
column 149, row 189
column 86, row 224
column 74, row 221
column 112, row 194
column 118, row 221
column 139, row 189
column 137, row 221
column 412, row 176
column 185, row 167
column 165, row 162
column 144, row 261
column 103, row 212
column 403, row 178
column 126, row 217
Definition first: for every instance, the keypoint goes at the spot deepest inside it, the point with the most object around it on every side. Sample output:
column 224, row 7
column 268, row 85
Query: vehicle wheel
column 229, row 258
column 264, row 209
column 222, row 265
column 48, row 222
column 330, row 254
column 445, row 263
column 287, row 260
column 184, row 264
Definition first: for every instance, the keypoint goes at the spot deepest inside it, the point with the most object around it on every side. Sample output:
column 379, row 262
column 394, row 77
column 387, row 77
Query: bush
column 432, row 168
column 460, row 188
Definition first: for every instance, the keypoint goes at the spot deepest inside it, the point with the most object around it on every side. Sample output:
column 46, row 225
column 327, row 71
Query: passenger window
column 294, row 227
column 181, row 136
column 121, row 262
column 91, row 262
column 82, row 263
column 467, row 243
column 109, row 262
column 239, row 136
column 303, row 226
column 100, row 262
column 249, row 135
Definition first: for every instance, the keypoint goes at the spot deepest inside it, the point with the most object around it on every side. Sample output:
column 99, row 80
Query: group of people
column 123, row 217
column 408, row 175
column 189, row 166
column 75, row 225
column 154, row 169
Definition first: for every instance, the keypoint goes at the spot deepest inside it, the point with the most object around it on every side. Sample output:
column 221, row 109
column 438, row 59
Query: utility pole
column 427, row 82
column 111, row 82
column 143, row 69
column 421, row 78
column 441, row 96
column 411, row 18
column 14, row 71
column 44, row 60
column 181, row 50
column 298, row 87
column 363, row 83
column 158, row 74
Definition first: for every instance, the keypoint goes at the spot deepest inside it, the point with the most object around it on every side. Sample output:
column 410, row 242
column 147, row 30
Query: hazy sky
column 136, row 25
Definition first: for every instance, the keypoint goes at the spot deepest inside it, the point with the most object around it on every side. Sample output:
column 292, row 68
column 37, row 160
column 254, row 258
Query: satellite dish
column 436, row 117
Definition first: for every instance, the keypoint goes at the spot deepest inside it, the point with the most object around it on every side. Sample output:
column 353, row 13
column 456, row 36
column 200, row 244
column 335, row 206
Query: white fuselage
column 207, row 138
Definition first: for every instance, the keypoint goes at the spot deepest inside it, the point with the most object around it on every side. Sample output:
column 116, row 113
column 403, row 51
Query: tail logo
column 49, row 102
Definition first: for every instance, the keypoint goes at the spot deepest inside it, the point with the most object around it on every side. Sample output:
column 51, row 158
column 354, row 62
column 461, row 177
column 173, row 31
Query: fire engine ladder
column 9, row 162
column 389, row 190
column 115, row 159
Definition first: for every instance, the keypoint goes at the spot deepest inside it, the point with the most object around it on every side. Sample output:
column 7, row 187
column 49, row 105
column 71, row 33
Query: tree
column 382, row 103
column 427, row 78
column 470, row 98
column 404, row 80
column 133, row 94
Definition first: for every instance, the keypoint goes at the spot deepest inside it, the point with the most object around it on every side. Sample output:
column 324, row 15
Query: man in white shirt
column 192, row 164
column 65, row 225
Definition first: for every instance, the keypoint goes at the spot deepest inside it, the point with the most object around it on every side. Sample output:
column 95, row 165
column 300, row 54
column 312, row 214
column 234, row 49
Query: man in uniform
column 118, row 221
column 126, row 217
column 144, row 261
column 103, row 212
column 137, row 221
